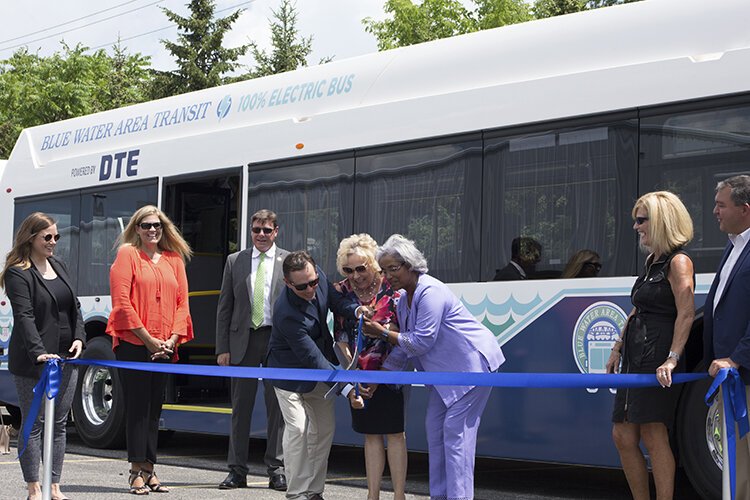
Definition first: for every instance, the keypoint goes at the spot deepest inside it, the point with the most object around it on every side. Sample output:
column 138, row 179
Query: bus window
column 430, row 194
column 688, row 152
column 104, row 215
column 65, row 209
column 313, row 202
column 567, row 188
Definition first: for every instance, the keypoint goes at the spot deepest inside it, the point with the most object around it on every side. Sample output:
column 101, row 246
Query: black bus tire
column 699, row 440
column 99, row 406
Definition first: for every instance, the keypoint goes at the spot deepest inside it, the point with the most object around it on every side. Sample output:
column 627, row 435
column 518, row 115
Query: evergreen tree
column 202, row 60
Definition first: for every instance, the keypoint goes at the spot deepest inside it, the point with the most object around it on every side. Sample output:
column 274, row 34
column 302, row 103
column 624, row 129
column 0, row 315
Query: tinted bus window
column 104, row 215
column 687, row 153
column 569, row 189
column 313, row 202
column 65, row 209
column 430, row 195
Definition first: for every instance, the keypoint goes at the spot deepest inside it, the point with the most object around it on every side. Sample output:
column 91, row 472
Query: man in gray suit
column 253, row 279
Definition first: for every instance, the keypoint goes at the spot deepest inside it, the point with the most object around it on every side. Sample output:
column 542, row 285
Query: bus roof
column 601, row 60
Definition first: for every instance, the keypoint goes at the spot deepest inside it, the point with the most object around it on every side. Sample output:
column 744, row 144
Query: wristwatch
column 384, row 335
column 673, row 355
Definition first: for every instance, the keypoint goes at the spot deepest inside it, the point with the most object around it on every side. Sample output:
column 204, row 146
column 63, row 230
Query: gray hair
column 405, row 250
column 740, row 188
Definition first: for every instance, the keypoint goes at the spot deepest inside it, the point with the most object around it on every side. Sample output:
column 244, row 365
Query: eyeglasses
column 303, row 286
column 49, row 236
column 148, row 225
column 393, row 269
column 359, row 269
column 595, row 265
column 640, row 220
column 266, row 230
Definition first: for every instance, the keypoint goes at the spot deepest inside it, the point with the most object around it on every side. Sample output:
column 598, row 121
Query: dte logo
column 105, row 169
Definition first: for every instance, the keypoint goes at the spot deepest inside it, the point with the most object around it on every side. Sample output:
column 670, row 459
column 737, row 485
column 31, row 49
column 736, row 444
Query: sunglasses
column 359, row 269
column 303, row 286
column 148, row 225
column 49, row 237
column 640, row 220
column 595, row 265
column 266, row 230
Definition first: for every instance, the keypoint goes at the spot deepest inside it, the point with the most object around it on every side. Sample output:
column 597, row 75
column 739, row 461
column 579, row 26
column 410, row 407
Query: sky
column 336, row 25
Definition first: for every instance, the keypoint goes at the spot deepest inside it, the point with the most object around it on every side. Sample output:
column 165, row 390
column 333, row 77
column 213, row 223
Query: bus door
column 206, row 210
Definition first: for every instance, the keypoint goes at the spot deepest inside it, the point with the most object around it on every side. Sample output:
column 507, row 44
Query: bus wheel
column 99, row 407
column 699, row 437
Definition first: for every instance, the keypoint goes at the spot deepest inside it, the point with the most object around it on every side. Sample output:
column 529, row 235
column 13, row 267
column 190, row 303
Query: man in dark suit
column 300, row 339
column 252, row 282
column 726, row 319
column 525, row 254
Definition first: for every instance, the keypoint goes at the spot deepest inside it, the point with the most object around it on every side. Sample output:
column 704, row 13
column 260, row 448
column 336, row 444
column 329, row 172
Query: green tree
column 552, row 8
column 289, row 49
column 35, row 90
column 495, row 13
column 202, row 60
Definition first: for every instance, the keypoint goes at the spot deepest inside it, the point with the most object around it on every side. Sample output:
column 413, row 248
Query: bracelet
column 384, row 335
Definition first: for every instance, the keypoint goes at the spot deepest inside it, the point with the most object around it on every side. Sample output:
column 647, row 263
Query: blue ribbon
column 735, row 410
column 49, row 384
column 360, row 346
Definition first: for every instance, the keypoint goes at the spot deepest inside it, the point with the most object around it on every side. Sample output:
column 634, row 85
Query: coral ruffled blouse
column 153, row 296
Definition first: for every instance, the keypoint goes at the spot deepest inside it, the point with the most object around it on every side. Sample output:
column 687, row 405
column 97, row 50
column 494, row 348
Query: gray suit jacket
column 234, row 311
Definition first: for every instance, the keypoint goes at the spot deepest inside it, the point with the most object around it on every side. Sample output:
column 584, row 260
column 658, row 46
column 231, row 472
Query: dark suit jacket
column 36, row 320
column 508, row 273
column 300, row 337
column 726, row 330
column 235, row 309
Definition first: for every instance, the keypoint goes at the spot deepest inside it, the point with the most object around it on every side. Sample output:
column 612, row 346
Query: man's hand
column 75, row 349
column 356, row 401
column 223, row 359
column 718, row 364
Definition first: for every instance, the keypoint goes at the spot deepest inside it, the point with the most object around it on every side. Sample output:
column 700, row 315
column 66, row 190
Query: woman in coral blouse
column 150, row 317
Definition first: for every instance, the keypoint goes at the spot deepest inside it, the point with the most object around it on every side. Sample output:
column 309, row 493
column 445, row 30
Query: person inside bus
column 437, row 333
column 653, row 341
column 525, row 254
column 251, row 284
column 47, row 324
column 583, row 264
column 150, row 318
column 383, row 415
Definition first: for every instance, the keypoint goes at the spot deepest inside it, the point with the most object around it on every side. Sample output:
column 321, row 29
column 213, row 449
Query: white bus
column 549, row 129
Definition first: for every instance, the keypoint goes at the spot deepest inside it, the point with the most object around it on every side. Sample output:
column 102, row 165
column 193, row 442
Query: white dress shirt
column 739, row 241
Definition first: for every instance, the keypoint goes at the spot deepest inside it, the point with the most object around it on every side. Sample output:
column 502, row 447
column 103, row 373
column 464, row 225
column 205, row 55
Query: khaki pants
column 308, row 433
column 742, row 463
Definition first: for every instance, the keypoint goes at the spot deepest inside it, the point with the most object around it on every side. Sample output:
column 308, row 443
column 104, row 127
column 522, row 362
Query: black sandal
column 155, row 486
column 138, row 490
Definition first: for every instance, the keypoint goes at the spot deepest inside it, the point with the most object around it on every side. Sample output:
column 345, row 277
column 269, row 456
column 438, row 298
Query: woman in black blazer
column 47, row 324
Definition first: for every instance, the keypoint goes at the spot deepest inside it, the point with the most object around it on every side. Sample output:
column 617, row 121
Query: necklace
column 367, row 294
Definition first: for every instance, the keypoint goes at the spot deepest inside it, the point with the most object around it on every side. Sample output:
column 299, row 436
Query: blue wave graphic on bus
column 511, row 305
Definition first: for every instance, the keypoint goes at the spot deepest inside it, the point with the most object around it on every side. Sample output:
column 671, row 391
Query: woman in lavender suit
column 438, row 334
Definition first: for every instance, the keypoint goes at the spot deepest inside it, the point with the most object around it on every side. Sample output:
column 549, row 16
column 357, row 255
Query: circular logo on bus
column 222, row 110
column 595, row 333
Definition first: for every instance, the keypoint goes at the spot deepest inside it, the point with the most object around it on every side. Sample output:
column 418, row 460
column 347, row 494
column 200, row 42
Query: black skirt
column 382, row 414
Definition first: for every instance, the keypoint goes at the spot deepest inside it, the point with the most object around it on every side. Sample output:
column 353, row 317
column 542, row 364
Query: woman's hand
column 76, row 349
column 664, row 372
column 613, row 363
column 153, row 345
column 373, row 329
column 42, row 358
column 367, row 391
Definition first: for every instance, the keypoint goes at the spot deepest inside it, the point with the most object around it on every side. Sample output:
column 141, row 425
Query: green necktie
column 258, row 289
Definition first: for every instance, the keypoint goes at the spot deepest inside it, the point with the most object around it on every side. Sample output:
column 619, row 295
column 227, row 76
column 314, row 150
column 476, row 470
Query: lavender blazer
column 439, row 334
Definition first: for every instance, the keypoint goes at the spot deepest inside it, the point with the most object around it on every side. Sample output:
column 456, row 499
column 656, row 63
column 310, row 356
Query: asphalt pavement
column 193, row 466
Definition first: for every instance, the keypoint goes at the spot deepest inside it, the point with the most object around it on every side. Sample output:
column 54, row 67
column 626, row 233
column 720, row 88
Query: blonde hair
column 20, row 254
column 171, row 238
column 670, row 226
column 357, row 244
column 577, row 261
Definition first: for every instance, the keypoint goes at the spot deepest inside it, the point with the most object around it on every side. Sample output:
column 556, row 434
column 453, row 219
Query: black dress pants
column 144, row 395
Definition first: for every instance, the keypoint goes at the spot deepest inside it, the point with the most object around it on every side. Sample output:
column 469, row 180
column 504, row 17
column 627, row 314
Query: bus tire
column 99, row 406
column 699, row 440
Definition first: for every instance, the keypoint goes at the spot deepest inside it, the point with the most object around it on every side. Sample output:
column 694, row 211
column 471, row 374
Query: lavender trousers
column 452, row 443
